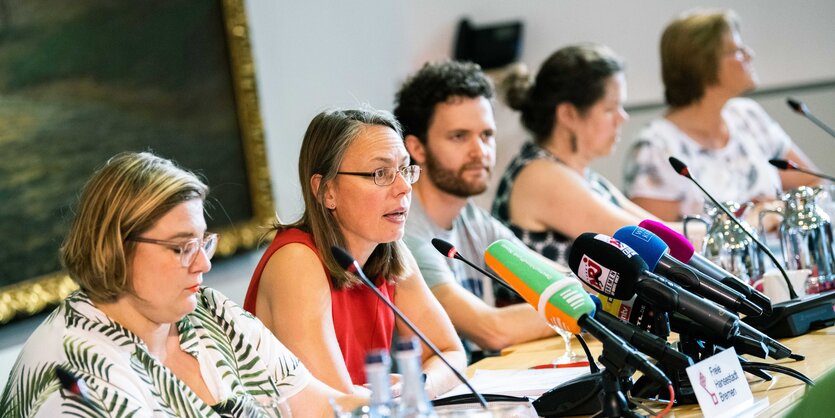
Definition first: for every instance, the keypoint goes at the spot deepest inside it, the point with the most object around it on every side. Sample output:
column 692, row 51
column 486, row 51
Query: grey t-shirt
column 472, row 232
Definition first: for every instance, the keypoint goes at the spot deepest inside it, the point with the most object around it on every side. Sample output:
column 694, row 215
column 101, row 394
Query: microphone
column 801, row 108
column 743, row 344
column 562, row 301
column 615, row 270
column 682, row 250
column 656, row 254
column 682, row 170
column 791, row 165
column 348, row 263
column 75, row 385
column 449, row 250
column 648, row 343
column 645, row 342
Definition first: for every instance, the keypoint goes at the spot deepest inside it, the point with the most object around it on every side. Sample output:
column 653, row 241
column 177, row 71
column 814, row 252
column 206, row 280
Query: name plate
column 720, row 385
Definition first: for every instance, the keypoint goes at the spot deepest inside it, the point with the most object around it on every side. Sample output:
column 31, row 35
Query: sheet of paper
column 531, row 383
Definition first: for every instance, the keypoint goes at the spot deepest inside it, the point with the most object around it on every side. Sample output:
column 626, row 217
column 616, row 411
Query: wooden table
column 782, row 392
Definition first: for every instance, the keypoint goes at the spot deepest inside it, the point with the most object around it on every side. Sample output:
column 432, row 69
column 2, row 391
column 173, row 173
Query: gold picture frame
column 35, row 294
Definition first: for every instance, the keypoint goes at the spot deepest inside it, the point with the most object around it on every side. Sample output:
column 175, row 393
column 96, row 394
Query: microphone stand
column 790, row 318
column 682, row 170
column 613, row 402
column 348, row 263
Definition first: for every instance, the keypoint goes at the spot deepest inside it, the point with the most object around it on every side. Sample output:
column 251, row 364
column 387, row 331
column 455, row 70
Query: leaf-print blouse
column 239, row 358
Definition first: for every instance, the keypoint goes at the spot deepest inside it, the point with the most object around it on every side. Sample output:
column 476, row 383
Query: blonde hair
column 691, row 47
column 328, row 137
column 123, row 199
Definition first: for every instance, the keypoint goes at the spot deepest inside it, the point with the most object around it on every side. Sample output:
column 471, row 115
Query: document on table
column 530, row 383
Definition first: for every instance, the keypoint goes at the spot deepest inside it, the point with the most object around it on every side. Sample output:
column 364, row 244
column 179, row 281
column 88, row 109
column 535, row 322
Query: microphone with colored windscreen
column 682, row 250
column 657, row 256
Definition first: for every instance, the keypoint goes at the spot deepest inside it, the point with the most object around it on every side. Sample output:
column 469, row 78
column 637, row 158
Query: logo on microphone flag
column 598, row 277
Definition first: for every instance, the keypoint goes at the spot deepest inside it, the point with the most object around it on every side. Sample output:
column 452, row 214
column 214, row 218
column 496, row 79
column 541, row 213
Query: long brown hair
column 327, row 139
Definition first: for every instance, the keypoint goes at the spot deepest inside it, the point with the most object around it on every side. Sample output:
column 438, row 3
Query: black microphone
column 449, row 250
column 74, row 385
column 682, row 170
column 801, row 108
column 791, row 165
column 743, row 344
column 615, row 270
column 645, row 342
column 650, row 344
column 682, row 250
column 348, row 263
column 655, row 252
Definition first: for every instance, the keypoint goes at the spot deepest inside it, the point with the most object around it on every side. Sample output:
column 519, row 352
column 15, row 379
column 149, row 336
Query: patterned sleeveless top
column 550, row 243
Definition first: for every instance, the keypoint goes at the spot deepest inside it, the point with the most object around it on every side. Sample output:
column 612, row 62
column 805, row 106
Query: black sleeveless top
column 550, row 243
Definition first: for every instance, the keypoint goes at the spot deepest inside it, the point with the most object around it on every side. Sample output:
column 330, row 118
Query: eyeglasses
column 187, row 249
column 742, row 50
column 385, row 176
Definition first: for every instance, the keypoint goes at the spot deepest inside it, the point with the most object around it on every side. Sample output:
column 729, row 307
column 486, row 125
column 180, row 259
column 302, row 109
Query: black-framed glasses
column 187, row 249
column 385, row 176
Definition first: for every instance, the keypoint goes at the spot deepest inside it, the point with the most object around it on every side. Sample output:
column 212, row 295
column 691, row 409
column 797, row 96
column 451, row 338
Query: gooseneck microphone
column 802, row 109
column 562, row 301
column 682, row 250
column 449, row 250
column 348, row 263
column 615, row 270
column 791, row 165
column 683, row 171
column 656, row 254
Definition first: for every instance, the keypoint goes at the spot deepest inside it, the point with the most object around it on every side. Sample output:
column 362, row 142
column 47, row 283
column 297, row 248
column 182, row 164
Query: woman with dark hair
column 142, row 337
column 724, row 139
column 573, row 110
column 356, row 181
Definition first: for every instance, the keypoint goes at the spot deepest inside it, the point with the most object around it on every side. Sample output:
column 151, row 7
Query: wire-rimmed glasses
column 187, row 249
column 385, row 176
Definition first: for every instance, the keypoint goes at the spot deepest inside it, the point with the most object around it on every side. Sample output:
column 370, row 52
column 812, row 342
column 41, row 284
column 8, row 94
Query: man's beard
column 450, row 181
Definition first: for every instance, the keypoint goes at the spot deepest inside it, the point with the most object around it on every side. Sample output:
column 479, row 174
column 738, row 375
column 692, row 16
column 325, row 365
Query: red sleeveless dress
column 360, row 320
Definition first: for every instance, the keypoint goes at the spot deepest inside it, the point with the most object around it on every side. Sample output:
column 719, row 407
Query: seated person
column 725, row 140
column 142, row 334
column 447, row 118
column 574, row 111
column 356, row 180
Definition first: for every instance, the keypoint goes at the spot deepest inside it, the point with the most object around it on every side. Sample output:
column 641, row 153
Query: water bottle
column 377, row 367
column 413, row 402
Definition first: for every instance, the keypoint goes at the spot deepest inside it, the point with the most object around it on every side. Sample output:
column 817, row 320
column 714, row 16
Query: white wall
column 316, row 54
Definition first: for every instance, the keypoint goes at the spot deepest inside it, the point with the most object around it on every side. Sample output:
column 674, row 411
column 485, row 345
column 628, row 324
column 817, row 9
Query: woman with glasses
column 142, row 337
column 725, row 140
column 356, row 181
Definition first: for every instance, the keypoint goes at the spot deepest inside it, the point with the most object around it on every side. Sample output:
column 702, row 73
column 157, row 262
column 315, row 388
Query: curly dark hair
column 414, row 104
column 575, row 74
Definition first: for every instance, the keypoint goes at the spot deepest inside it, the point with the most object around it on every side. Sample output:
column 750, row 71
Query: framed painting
column 81, row 81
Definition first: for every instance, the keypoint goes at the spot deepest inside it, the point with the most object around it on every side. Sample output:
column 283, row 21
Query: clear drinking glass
column 569, row 356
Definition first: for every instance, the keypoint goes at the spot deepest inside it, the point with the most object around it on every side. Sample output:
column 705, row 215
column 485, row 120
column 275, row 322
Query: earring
column 573, row 140
column 331, row 207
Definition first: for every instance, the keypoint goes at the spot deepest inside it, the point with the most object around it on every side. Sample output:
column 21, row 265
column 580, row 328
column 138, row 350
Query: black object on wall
column 491, row 46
